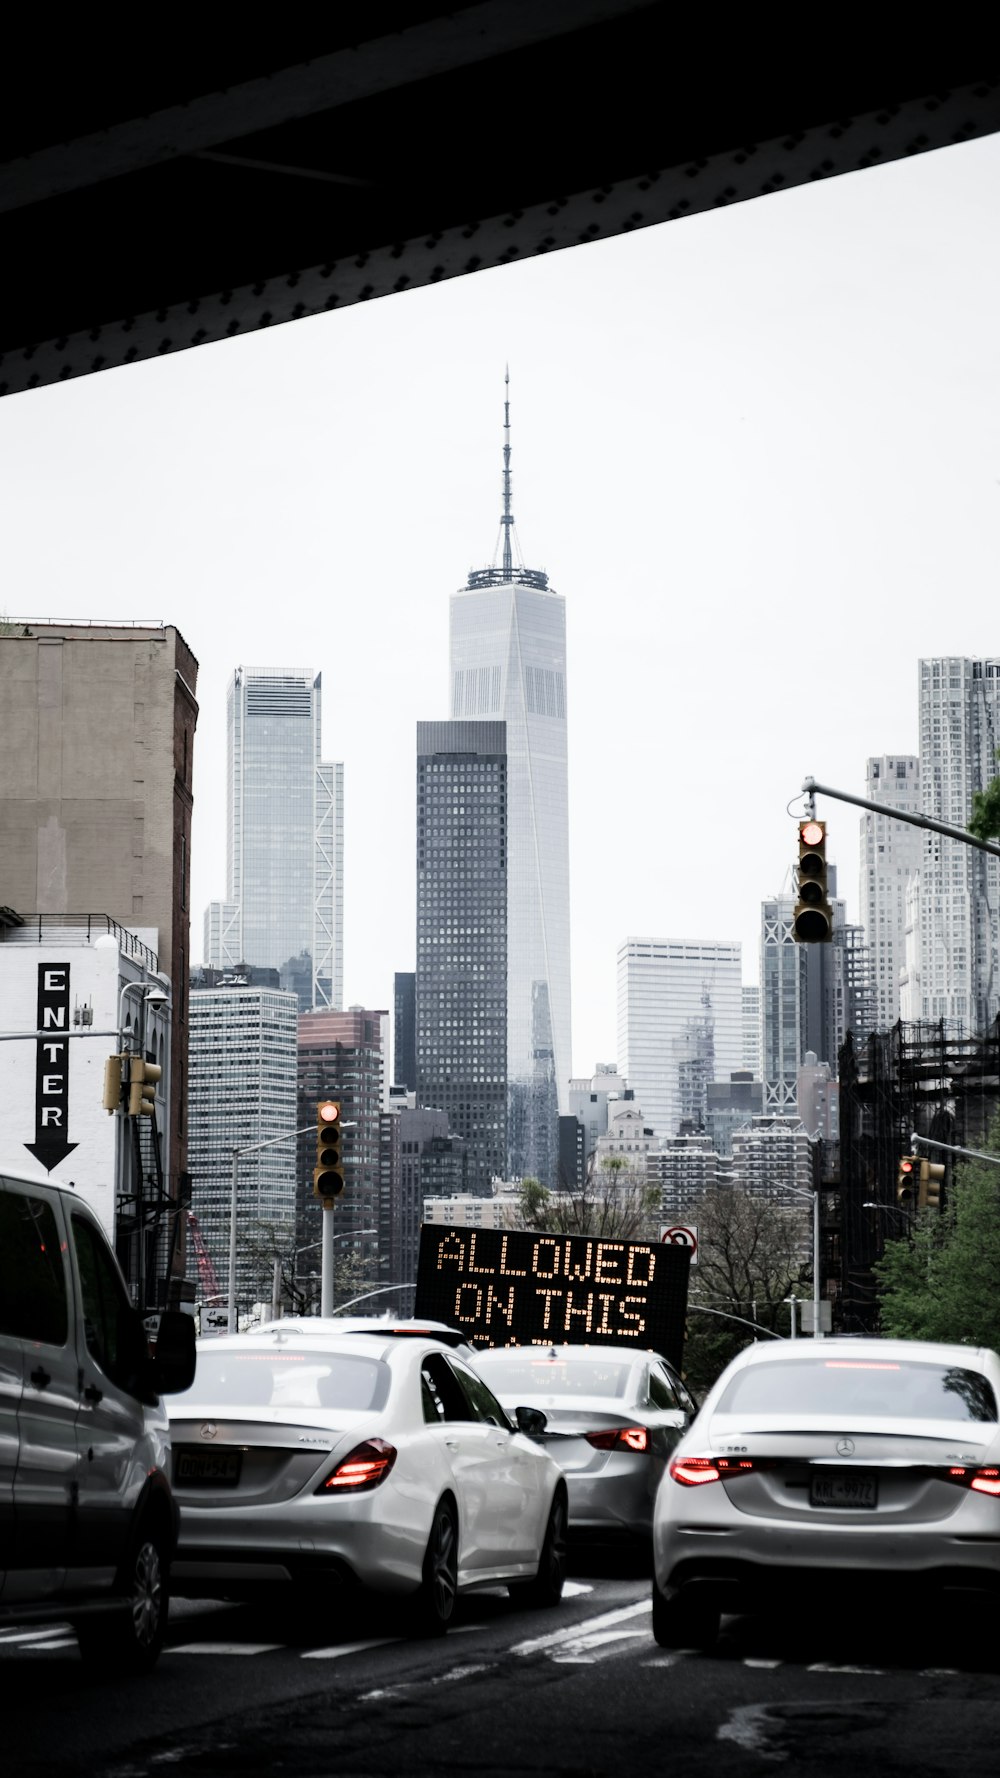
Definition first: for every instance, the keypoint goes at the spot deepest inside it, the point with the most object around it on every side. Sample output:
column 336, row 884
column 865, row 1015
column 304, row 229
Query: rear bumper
column 347, row 1542
column 616, row 1500
column 762, row 1564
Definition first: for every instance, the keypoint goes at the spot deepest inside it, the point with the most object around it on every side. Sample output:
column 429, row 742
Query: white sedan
column 306, row 1454
column 827, row 1471
column 612, row 1416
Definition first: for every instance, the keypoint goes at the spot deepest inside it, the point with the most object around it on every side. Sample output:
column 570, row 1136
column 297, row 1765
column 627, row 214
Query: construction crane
column 207, row 1279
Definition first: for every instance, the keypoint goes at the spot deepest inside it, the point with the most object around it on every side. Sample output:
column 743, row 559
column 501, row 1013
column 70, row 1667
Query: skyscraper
column 404, row 1030
column 890, row 855
column 957, row 976
column 508, row 663
column 680, row 1024
column 241, row 1092
column 284, row 903
column 462, row 928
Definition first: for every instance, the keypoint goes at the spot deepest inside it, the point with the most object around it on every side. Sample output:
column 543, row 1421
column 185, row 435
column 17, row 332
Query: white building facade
column 752, row 1049
column 680, row 1024
column 890, row 857
column 241, row 1091
column 90, row 989
column 954, row 969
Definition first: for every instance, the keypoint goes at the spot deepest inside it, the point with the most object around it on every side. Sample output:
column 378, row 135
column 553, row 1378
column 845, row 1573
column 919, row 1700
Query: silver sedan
column 612, row 1417
column 311, row 1456
column 829, row 1471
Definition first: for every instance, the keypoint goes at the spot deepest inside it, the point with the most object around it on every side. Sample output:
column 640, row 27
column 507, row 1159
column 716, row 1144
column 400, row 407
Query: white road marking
column 664, row 1660
column 572, row 1588
column 752, row 1661
column 63, row 1642
column 397, row 1691
column 576, row 1649
column 587, row 1628
column 347, row 1648
column 224, row 1648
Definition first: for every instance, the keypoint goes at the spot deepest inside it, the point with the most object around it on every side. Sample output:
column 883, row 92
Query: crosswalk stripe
column 223, row 1648
column 346, row 1648
column 32, row 1635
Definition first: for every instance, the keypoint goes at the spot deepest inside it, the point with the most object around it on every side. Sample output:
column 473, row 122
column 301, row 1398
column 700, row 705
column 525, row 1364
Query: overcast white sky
column 757, row 450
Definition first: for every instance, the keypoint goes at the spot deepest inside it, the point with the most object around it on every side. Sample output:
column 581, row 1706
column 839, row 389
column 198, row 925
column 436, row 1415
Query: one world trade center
column 508, row 661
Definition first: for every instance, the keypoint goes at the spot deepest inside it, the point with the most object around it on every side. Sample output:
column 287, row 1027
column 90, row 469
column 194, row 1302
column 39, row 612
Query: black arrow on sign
column 52, row 1068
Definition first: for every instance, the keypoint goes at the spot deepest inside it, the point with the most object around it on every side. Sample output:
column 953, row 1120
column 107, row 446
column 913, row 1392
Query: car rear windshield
column 880, row 1387
column 286, row 1379
column 524, row 1376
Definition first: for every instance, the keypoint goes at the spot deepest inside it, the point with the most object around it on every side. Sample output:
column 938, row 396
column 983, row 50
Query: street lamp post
column 327, row 1243
column 248, row 1148
column 814, row 1195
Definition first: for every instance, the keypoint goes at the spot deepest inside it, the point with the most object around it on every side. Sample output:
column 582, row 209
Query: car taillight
column 363, row 1468
column 692, row 1471
column 981, row 1481
column 619, row 1438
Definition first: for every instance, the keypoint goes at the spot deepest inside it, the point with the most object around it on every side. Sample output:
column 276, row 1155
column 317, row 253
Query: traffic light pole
column 811, row 789
column 250, row 1148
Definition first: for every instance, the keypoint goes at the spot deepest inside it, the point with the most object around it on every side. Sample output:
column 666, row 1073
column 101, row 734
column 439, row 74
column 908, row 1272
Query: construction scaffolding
column 925, row 1077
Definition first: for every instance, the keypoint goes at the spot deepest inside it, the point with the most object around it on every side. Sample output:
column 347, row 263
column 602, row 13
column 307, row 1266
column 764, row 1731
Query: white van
column 88, row 1523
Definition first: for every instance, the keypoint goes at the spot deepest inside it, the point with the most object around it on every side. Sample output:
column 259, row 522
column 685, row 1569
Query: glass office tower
column 461, row 974
column 284, row 906
column 508, row 661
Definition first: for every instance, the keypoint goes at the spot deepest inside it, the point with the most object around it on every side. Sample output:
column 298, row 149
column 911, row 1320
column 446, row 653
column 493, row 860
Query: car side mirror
column 530, row 1420
column 173, row 1355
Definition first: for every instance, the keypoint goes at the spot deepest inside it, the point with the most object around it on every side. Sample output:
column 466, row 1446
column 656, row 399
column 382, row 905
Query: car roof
column 600, row 1353
column 338, row 1334
column 385, row 1327
column 864, row 1346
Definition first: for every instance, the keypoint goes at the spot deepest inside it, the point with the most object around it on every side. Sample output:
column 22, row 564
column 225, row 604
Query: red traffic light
column 906, row 1166
column 811, row 833
column 328, row 1112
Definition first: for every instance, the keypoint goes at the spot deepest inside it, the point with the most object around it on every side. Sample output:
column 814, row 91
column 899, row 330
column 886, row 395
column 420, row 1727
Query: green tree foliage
column 616, row 1202
column 985, row 823
column 943, row 1281
column 749, row 1262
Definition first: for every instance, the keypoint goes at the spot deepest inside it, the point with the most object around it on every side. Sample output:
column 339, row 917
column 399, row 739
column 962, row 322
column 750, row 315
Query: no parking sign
column 681, row 1236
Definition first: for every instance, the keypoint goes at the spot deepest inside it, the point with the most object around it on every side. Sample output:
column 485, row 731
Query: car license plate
column 207, row 1469
column 850, row 1492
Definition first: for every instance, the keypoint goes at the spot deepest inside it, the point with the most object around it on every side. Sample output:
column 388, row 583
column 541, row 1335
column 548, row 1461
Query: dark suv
column 87, row 1519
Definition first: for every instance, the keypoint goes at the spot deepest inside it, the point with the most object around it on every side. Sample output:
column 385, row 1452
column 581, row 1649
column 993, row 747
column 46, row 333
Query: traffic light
column 113, row 1083
column 907, row 1181
column 812, row 921
column 929, row 1191
column 328, row 1173
column 142, row 1079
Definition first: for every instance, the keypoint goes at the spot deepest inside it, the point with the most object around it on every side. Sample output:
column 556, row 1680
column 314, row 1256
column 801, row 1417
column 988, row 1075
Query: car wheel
column 686, row 1620
column 131, row 1640
column 432, row 1608
column 546, row 1587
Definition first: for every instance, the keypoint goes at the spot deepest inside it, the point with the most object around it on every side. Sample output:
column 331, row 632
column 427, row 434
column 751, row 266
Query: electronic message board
column 509, row 1287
